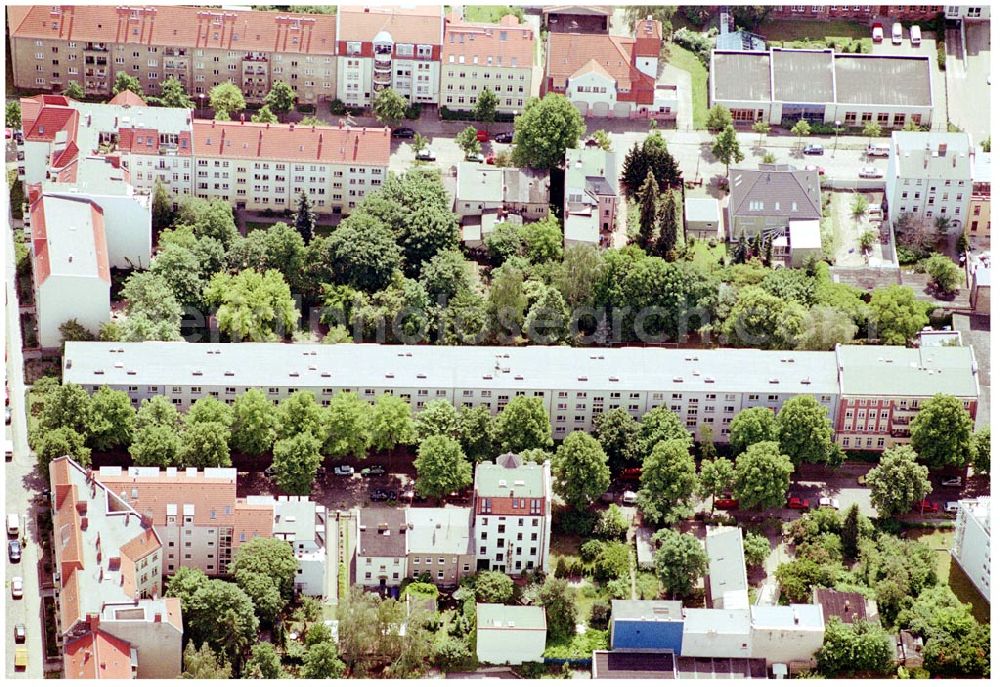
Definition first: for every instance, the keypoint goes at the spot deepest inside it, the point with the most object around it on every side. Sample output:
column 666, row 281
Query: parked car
column 630, row 498
column 382, row 495
column 828, row 502
column 13, row 525
column 17, row 587
column 727, row 503
column 20, row 634
column 426, row 155
column 915, row 35
column 951, row 507
column 897, row 34
column 813, row 149
column 863, row 479
column 343, row 471
column 475, row 157
column 870, row 172
column 926, row 506
column 491, row 159
column 14, row 550
column 631, row 473
column 951, row 481
column 21, row 658
column 878, row 34
column 816, row 168
column 7, row 415
column 271, row 471
column 403, row 132
column 482, row 135
column 505, row 137
column 373, row 470
column 8, row 133
column 797, row 503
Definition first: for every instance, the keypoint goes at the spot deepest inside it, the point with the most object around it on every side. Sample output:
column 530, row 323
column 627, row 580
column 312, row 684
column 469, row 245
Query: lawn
column 949, row 571
column 705, row 256
column 490, row 13
column 798, row 30
column 689, row 62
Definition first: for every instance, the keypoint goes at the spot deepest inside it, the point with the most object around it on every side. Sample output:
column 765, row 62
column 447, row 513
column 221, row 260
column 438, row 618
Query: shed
column 701, row 218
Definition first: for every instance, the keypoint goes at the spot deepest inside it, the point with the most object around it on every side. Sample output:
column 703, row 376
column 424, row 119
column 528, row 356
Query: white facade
column 786, row 634
column 128, row 223
column 301, row 523
column 971, row 548
column 715, row 632
column 510, row 634
column 930, row 176
column 512, row 511
column 592, row 91
column 148, row 630
column 87, row 299
column 967, row 12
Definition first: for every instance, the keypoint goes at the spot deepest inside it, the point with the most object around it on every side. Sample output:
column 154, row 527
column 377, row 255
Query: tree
column 149, row 295
column 762, row 476
column 305, row 220
column 209, row 218
column 897, row 313
column 272, row 558
column 804, row 431
column 558, row 600
column 296, row 461
column 547, row 321
column 346, row 426
column 680, row 559
column 613, row 562
column 111, row 419
column 222, row 614
column 251, row 305
column 266, row 598
column 281, row 98
column 486, row 106
column 763, row 128
column 12, row 114
column 670, row 228
column 954, row 643
column 756, row 549
column 447, row 274
column 981, row 451
column 602, row 139
column 438, row 418
column 475, row 433
column 941, row 432
column 751, row 426
column 467, row 140
column 62, row 441
column 850, row 533
column 74, row 90
column 717, row 477
column 494, row 587
column 441, row 467
column 420, row 142
column 162, row 208
column 581, row 470
column 660, row 424
column 612, row 524
column 648, row 195
column 364, row 253
column 254, row 423
column 801, row 129
column 945, row 276
column 264, row 663
column 718, row 118
column 651, row 156
column 184, row 584
column 126, row 82
column 226, row 98
column 67, row 405
column 726, row 147
column 205, row 445
column 544, row 131
column 322, row 663
column 897, row 482
column 618, row 433
column 72, row 330
column 298, row 414
column 389, row 107
column 543, row 240
column 210, row 409
column 871, row 130
column 521, row 425
column 859, row 648
column 205, row 664
column 391, row 424
column 172, row 94
column 264, row 116
column 156, row 445
column 668, row 481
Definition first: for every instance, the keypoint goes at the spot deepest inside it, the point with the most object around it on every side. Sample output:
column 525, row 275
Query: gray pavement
column 968, row 72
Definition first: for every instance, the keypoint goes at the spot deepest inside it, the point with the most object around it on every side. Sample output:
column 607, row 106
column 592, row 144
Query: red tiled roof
column 39, row 242
column 144, row 544
column 97, row 655
column 50, row 120
column 65, row 156
column 508, row 43
column 185, row 27
column 417, row 25
column 252, row 521
column 100, row 242
column 327, row 144
column 568, row 52
column 155, row 493
column 127, row 99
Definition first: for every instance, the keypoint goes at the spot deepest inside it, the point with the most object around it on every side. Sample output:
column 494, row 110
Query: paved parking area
column 968, row 90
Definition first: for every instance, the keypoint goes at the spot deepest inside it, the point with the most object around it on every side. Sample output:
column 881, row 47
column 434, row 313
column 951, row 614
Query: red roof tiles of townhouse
column 39, row 243
column 100, row 242
column 507, row 44
column 173, row 605
column 568, row 52
column 213, row 499
column 50, row 121
column 141, row 546
column 65, row 156
column 184, row 27
column 252, row 521
column 332, row 145
column 417, row 25
column 127, row 99
column 40, row 238
column 98, row 655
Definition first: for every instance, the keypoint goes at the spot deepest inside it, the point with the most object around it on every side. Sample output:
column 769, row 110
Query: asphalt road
column 21, row 488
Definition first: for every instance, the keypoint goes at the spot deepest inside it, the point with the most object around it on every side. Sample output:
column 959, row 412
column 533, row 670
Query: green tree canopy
column 438, row 417
column 494, row 587
column 544, row 131
column 897, row 313
column 467, row 140
column 322, row 663
column 660, row 424
column 296, row 461
column 126, row 82
column 346, row 426
column 522, row 424
column 941, row 432
column 173, row 94
column 680, row 560
column 272, row 558
column 264, row 663
column 281, row 98
column 475, row 433
column 726, row 147
column 62, row 441
column 298, row 414
column 226, row 98
column 205, row 664
column 750, row 426
column 364, row 253
column 762, row 476
column 718, row 118
column 805, row 432
column 254, row 423
column 897, row 482
column 221, row 614
column 717, row 477
column 391, row 423
column 619, row 434
column 74, row 90
column 390, row 107
column 156, row 445
column 441, row 467
column 486, row 105
column 253, row 306
column 558, row 600
column 859, row 648
column 205, row 445
column 111, row 419
column 668, row 481
column 581, row 470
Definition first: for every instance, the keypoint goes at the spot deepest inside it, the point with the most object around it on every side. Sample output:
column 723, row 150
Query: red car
column 491, row 159
column 796, row 503
column 727, row 503
column 482, row 135
column 926, row 506
column 631, row 473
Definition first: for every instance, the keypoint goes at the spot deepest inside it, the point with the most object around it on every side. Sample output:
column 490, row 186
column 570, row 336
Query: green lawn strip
column 797, row 30
column 689, row 62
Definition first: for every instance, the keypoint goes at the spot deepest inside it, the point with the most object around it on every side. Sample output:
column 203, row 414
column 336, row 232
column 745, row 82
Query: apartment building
column 590, row 204
column 53, row 45
column 930, row 177
column 610, row 76
column 486, row 195
column 70, row 274
column 263, row 166
column 971, row 547
column 439, row 544
column 767, row 200
column 108, row 567
column 512, row 511
column 965, row 13
column 477, row 57
column 301, row 523
column 380, row 559
column 882, row 389
column 856, row 12
column 382, row 46
column 977, row 225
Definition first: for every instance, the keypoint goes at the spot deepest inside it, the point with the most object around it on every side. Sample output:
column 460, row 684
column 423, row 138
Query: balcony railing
column 95, row 47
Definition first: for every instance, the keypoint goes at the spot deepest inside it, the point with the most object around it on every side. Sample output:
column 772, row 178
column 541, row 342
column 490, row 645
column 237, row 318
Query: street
column 22, row 487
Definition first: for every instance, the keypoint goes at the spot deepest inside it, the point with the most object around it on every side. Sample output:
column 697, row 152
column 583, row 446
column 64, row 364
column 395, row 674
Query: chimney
column 942, row 149
column 94, row 621
column 157, row 618
column 213, row 123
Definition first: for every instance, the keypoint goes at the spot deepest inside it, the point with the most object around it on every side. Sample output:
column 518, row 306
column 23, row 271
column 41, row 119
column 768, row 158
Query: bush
column 612, row 524
column 450, row 115
column 337, row 107
column 305, row 108
column 600, row 615
column 578, row 646
column 591, row 550
column 562, row 570
column 412, row 111
column 941, row 61
column 571, row 521
column 698, row 43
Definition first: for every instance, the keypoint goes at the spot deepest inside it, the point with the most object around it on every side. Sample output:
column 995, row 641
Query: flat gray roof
column 901, row 371
column 524, row 481
column 883, row 80
column 438, row 530
column 627, row 609
column 727, row 571
column 802, row 76
column 741, row 76
column 701, row 209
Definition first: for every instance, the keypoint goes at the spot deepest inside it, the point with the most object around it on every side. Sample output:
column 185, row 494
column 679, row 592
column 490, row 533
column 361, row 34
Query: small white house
column 701, row 218
column 787, row 634
column 509, row 634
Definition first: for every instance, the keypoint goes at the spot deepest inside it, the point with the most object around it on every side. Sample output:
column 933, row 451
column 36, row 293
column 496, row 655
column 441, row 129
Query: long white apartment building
column 704, row 387
column 971, row 547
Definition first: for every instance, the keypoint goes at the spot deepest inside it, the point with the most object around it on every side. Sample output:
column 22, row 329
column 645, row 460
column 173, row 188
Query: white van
column 13, row 525
column 915, row 35
column 878, row 149
column 897, row 34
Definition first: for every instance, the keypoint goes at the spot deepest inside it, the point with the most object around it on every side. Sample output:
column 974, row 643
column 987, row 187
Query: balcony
column 383, row 61
column 255, row 57
column 175, row 52
column 382, row 79
column 95, row 47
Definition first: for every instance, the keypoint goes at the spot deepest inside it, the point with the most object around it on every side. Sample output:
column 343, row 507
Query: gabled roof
column 383, row 532
column 506, row 44
column 569, row 55
column 67, row 235
column 591, row 66
column 774, row 190
column 323, row 144
column 127, row 99
column 418, row 25
column 97, row 655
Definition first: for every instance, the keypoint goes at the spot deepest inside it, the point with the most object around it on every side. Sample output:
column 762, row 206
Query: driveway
column 968, row 91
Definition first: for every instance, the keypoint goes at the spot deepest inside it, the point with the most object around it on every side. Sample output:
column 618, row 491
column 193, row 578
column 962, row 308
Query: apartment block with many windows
column 971, row 547
column 977, row 225
column 930, row 178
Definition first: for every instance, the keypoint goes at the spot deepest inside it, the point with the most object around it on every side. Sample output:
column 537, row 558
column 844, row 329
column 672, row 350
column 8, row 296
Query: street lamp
column 836, row 138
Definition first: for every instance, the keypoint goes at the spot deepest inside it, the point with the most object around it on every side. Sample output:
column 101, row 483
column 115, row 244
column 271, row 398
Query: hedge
column 466, row 115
